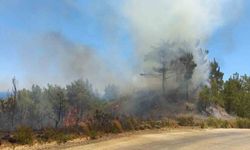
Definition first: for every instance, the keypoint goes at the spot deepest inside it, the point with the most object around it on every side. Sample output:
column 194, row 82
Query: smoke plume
column 188, row 24
column 52, row 58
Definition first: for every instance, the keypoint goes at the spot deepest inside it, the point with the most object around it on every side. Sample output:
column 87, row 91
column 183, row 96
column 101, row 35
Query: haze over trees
column 57, row 106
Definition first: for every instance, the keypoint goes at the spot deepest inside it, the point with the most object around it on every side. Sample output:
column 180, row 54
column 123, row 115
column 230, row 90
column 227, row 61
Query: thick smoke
column 53, row 58
column 187, row 23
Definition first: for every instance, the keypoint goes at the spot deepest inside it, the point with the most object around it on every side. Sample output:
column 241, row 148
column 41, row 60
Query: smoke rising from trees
column 168, row 38
column 51, row 57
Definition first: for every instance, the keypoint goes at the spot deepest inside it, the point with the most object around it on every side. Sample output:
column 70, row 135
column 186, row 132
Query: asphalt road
column 211, row 139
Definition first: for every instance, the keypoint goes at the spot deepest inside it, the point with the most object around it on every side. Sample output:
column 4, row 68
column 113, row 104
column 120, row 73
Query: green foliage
column 214, row 122
column 233, row 95
column 61, row 137
column 212, row 94
column 81, row 98
column 218, row 123
column 243, row 123
column 93, row 134
column 236, row 95
column 216, row 76
column 204, row 98
column 24, row 135
column 58, row 101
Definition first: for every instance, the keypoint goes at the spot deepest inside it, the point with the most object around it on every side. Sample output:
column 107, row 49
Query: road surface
column 211, row 139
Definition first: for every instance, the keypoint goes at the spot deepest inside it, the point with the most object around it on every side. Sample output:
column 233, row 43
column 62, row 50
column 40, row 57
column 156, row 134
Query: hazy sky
column 101, row 27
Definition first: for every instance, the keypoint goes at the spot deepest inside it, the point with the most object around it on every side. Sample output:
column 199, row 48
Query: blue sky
column 230, row 45
column 22, row 21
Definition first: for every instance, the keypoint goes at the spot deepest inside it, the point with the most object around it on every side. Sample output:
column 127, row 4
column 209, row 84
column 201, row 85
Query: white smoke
column 179, row 21
column 53, row 58
column 60, row 61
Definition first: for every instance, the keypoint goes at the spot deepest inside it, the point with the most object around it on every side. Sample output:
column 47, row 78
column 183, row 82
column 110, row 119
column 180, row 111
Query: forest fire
column 91, row 68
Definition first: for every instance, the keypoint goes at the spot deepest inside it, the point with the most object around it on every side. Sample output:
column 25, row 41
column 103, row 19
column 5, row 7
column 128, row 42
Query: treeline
column 232, row 94
column 52, row 106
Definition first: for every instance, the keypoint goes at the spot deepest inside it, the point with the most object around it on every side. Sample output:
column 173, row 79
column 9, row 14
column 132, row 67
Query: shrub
column 117, row 127
column 225, row 124
column 93, row 134
column 61, row 137
column 50, row 134
column 243, row 123
column 148, row 125
column 186, row 120
column 213, row 122
column 153, row 124
column 102, row 122
column 46, row 135
column 142, row 127
column 232, row 123
column 24, row 135
column 203, row 124
column 128, row 123
column 171, row 123
column 85, row 128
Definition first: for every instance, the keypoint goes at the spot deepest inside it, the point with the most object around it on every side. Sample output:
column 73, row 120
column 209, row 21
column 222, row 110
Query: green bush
column 243, row 123
column 214, row 122
column 219, row 123
column 225, row 124
column 93, row 134
column 24, row 135
column 61, row 137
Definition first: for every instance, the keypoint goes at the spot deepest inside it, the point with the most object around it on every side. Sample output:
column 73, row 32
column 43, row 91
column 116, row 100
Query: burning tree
column 172, row 59
column 188, row 61
column 160, row 57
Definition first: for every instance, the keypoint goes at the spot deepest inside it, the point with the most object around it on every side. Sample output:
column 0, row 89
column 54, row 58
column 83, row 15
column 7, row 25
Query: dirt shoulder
column 215, row 139
column 181, row 138
column 86, row 141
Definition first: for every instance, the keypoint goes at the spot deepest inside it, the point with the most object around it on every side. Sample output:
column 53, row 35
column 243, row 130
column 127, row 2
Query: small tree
column 12, row 103
column 80, row 97
column 213, row 93
column 232, row 93
column 57, row 98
